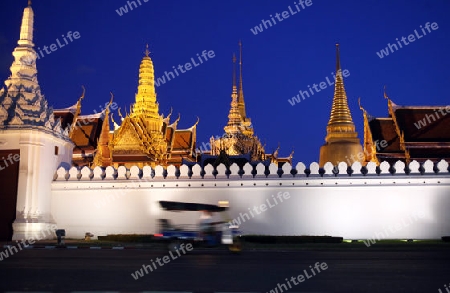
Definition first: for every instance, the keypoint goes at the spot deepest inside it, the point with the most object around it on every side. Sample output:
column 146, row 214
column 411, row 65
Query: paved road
column 361, row 270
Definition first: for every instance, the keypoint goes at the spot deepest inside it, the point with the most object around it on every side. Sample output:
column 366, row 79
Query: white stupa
column 28, row 128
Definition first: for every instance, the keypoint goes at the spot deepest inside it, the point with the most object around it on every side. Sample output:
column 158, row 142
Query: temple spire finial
column 234, row 116
column 338, row 59
column 234, row 74
column 147, row 51
column 384, row 93
column 241, row 88
column 26, row 28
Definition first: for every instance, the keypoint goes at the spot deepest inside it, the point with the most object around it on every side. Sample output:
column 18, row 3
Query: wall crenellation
column 250, row 172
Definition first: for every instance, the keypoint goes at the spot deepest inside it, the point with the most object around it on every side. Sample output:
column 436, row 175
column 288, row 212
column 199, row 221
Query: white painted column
column 38, row 162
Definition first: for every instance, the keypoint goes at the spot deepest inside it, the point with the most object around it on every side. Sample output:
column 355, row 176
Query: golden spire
column 146, row 104
column 340, row 118
column 234, row 117
column 241, row 102
column 341, row 143
column 239, row 139
column 29, row 2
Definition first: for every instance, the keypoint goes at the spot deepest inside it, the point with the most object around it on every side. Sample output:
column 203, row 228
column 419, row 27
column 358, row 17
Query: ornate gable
column 127, row 139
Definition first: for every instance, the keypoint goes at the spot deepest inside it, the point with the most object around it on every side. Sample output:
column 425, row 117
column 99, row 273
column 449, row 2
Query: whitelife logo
column 317, row 87
column 11, row 159
column 435, row 116
column 53, row 47
column 281, row 16
column 317, row 269
column 411, row 38
column 262, row 208
column 22, row 244
column 166, row 259
column 392, row 229
column 184, row 68
column 124, row 9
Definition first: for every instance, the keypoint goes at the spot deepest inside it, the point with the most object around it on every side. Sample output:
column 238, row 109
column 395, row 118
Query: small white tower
column 28, row 130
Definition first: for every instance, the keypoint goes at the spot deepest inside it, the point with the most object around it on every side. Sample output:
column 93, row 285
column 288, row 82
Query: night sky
column 278, row 62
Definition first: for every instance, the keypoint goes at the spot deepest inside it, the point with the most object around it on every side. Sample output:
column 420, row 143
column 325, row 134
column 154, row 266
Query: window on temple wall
column 56, row 150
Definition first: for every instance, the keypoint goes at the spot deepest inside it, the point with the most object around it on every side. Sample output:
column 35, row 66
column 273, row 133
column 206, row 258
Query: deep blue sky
column 278, row 62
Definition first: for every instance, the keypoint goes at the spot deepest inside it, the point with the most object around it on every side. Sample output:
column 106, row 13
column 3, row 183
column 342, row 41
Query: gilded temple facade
column 143, row 137
column 146, row 137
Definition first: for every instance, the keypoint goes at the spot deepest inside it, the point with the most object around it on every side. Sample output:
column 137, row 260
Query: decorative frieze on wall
column 371, row 170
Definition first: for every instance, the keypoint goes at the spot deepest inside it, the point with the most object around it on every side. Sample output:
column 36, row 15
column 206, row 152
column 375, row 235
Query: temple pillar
column 40, row 155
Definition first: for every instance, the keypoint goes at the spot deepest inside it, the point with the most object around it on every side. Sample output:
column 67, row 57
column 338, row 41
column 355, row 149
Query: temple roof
column 183, row 140
column 72, row 109
column 424, row 130
column 424, row 124
column 66, row 117
column 384, row 129
column 86, row 132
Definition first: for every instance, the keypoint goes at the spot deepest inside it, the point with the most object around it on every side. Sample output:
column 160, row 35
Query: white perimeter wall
column 357, row 207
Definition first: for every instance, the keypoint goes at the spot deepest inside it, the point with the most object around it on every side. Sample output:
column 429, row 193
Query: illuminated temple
column 144, row 137
column 239, row 144
column 147, row 138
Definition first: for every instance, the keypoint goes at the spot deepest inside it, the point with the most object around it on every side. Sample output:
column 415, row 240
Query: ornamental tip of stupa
column 22, row 105
column 147, row 51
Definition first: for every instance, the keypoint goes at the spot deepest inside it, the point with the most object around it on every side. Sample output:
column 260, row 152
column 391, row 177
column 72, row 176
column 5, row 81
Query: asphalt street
column 360, row 270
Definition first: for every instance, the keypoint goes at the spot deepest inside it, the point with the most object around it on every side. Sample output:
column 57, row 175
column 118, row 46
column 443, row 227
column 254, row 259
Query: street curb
column 74, row 247
column 95, row 247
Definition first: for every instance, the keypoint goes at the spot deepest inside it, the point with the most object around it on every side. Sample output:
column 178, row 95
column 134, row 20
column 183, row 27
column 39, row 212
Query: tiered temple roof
column 144, row 137
column 147, row 138
column 409, row 133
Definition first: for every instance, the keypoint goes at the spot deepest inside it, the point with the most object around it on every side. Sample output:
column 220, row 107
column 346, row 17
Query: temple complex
column 341, row 142
column 147, row 138
column 409, row 133
column 44, row 187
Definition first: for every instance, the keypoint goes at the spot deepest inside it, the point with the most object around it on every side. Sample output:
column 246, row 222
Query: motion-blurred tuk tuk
column 208, row 233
